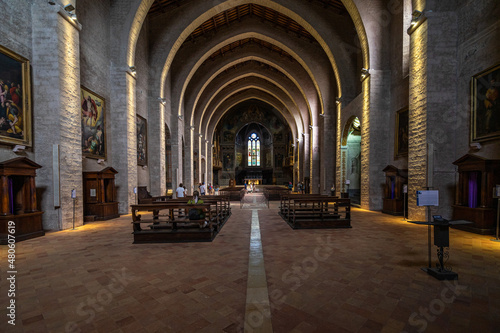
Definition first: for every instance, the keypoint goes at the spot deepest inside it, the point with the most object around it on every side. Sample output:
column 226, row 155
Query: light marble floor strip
column 257, row 311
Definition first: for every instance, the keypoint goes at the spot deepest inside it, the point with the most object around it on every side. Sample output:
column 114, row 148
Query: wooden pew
column 168, row 223
column 144, row 197
column 286, row 201
column 306, row 212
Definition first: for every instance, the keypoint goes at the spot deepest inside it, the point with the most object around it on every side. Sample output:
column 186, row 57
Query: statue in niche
column 355, row 164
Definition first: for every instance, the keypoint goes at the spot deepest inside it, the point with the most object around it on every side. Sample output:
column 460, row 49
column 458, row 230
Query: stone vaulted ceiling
column 256, row 51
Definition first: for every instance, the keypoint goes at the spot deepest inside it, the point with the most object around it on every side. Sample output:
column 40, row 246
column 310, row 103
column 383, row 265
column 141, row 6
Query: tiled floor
column 364, row 279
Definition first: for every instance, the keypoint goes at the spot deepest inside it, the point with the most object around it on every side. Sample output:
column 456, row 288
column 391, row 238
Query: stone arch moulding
column 345, row 131
column 297, row 102
column 211, row 123
column 142, row 7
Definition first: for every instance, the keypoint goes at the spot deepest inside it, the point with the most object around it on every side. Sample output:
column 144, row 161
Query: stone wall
column 16, row 17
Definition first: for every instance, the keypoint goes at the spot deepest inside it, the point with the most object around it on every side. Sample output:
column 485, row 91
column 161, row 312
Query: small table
column 441, row 240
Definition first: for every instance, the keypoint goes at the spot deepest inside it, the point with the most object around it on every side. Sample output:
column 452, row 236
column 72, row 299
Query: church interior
column 386, row 110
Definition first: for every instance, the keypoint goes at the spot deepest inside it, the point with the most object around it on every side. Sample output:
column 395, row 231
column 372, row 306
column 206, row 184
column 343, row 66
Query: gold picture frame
column 485, row 105
column 15, row 99
column 93, row 119
column 401, row 133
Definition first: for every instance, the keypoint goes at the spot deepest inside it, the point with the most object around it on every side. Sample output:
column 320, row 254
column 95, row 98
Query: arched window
column 253, row 150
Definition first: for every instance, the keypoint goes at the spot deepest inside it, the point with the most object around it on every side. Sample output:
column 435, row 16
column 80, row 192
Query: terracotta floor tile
column 363, row 279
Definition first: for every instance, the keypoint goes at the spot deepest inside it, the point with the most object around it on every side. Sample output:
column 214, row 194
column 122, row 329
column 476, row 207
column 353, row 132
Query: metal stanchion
column 498, row 221
column 73, row 196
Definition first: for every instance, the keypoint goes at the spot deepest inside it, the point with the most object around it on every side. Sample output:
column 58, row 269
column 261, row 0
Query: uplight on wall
column 163, row 101
column 365, row 72
column 70, row 9
column 417, row 18
column 338, row 100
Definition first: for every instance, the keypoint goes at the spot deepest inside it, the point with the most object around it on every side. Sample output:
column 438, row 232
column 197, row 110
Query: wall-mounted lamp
column 18, row 148
column 310, row 126
column 69, row 8
column 338, row 100
column 475, row 145
column 133, row 70
column 180, row 117
column 99, row 161
column 213, row 146
column 321, row 114
column 364, row 73
column 416, row 16
column 200, row 135
column 144, row 167
column 293, row 145
column 206, row 141
column 298, row 140
column 163, row 101
column 191, row 128
column 303, row 134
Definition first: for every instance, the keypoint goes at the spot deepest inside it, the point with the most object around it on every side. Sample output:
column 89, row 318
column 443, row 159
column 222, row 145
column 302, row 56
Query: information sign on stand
column 496, row 194
column 428, row 198
column 441, row 235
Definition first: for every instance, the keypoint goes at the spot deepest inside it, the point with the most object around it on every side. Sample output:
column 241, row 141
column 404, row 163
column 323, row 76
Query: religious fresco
column 231, row 122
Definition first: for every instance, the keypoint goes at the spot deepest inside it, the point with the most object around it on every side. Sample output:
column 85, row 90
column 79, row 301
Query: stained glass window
column 253, row 150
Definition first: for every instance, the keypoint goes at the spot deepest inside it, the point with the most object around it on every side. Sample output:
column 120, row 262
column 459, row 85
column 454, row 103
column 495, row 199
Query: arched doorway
column 350, row 170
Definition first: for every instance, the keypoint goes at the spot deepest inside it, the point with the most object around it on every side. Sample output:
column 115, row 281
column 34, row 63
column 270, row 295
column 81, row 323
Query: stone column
column 56, row 96
column 417, row 146
column 328, row 157
column 156, row 148
column 315, row 162
column 307, row 158
column 123, row 131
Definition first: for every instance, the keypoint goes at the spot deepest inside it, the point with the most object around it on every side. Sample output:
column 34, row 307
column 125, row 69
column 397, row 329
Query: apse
column 253, row 143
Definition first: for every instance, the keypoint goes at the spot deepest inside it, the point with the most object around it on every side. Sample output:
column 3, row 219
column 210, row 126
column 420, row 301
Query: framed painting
column 401, row 135
column 142, row 144
column 15, row 99
column 93, row 124
column 485, row 105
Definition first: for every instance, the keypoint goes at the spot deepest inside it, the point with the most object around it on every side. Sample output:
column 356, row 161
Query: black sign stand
column 441, row 240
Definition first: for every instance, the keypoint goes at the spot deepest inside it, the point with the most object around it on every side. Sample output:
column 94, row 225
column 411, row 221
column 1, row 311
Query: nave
column 364, row 279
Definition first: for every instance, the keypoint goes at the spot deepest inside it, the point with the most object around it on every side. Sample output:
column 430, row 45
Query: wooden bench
column 169, row 221
column 275, row 194
column 144, row 197
column 286, row 201
column 319, row 212
column 221, row 201
column 234, row 193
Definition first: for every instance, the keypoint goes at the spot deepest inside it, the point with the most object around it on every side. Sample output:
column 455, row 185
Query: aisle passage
column 257, row 312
